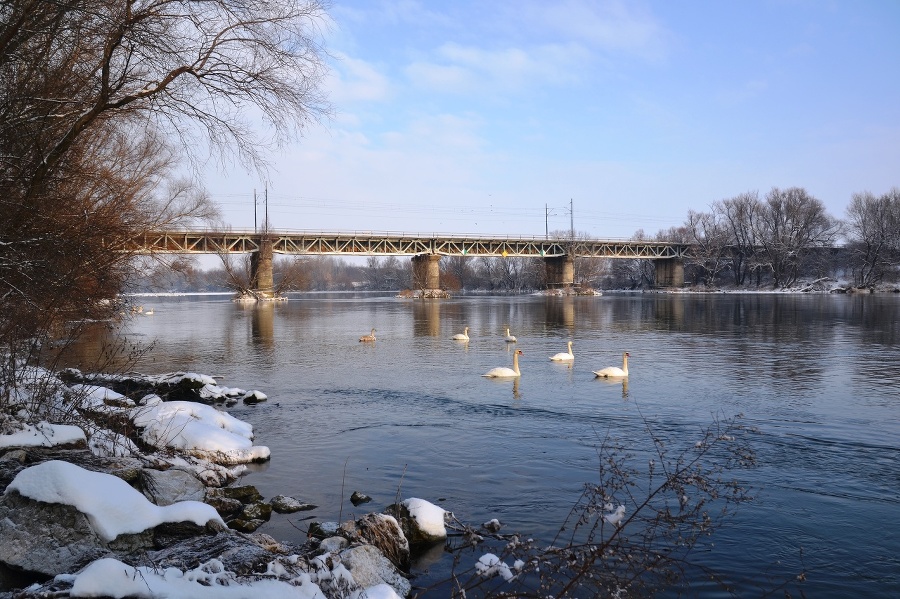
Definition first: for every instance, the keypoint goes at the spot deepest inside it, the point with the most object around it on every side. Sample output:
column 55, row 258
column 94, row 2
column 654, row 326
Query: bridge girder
column 212, row 242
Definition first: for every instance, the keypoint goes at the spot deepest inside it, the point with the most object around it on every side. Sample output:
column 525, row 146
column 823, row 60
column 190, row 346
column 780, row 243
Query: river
column 816, row 376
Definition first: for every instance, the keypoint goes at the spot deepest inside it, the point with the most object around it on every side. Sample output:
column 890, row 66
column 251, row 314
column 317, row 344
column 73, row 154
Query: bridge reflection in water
column 426, row 251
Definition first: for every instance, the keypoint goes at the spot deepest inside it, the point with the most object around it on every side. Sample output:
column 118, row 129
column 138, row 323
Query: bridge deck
column 387, row 244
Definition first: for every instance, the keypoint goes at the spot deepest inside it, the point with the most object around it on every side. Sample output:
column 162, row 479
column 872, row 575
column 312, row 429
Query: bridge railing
column 201, row 241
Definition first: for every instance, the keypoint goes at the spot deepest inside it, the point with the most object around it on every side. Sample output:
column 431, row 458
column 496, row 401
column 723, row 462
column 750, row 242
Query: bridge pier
column 669, row 272
column 560, row 271
column 261, row 270
column 426, row 272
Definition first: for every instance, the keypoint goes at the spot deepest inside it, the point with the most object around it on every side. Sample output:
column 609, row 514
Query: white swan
column 503, row 371
column 563, row 356
column 614, row 371
column 369, row 337
column 149, row 312
column 464, row 336
column 510, row 338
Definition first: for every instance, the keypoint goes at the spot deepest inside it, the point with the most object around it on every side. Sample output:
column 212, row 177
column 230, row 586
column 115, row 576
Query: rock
column 358, row 498
column 245, row 494
column 254, row 397
column 243, row 525
column 170, row 533
column 45, row 538
column 492, row 525
column 225, row 505
column 322, row 530
column 257, row 511
column 369, row 568
column 165, row 487
column 383, row 531
column 128, row 469
column 334, row 544
column 241, row 554
column 288, row 505
column 14, row 455
column 422, row 522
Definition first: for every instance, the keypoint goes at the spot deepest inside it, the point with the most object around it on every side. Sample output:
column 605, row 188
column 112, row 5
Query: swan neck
column 516, row 362
column 625, row 363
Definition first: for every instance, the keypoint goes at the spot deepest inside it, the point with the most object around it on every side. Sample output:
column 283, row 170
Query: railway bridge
column 426, row 251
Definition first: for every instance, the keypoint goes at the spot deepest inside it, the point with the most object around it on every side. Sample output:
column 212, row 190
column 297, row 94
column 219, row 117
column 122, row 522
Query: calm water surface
column 817, row 375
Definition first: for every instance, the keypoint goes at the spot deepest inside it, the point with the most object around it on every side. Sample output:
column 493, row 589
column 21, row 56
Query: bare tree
column 458, row 268
column 739, row 213
column 94, row 94
column 709, row 237
column 100, row 102
column 873, row 230
column 789, row 225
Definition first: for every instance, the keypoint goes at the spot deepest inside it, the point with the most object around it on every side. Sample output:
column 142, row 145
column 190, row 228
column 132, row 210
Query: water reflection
column 426, row 318
column 623, row 383
column 262, row 330
column 560, row 312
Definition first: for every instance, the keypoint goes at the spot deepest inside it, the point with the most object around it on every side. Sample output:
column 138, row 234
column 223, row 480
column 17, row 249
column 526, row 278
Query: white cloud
column 611, row 25
column 354, row 80
column 467, row 69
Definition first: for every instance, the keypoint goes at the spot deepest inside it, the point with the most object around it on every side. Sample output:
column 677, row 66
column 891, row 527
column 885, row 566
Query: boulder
column 226, row 506
column 165, row 487
column 422, row 522
column 239, row 553
column 370, row 568
column 245, row 494
column 254, row 397
column 257, row 511
column 46, row 538
column 384, row 533
column 288, row 505
column 358, row 498
column 242, row 525
column 334, row 544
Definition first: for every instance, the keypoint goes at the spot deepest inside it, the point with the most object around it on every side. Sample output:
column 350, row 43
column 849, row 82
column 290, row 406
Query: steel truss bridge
column 426, row 250
column 399, row 244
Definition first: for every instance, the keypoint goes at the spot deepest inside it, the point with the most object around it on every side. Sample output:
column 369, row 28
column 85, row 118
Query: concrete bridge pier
column 426, row 272
column 669, row 272
column 560, row 271
column 261, row 270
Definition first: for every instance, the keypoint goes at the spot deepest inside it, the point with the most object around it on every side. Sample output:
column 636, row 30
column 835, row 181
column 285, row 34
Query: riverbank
column 87, row 512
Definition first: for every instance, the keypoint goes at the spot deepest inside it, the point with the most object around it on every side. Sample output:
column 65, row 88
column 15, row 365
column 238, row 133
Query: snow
column 94, row 396
column 106, row 443
column 43, row 434
column 199, row 429
column 616, row 517
column 379, row 591
column 111, row 505
column 489, row 565
column 429, row 517
column 111, row 578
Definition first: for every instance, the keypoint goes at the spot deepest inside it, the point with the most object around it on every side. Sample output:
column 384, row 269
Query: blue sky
column 483, row 117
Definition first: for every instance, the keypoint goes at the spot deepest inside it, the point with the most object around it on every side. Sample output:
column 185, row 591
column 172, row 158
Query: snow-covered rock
column 422, row 522
column 199, row 430
column 44, row 434
column 111, row 505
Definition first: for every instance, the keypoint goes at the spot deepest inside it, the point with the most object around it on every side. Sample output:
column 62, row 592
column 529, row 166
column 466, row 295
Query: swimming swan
column 615, row 371
column 510, row 338
column 503, row 371
column 464, row 336
column 370, row 337
column 562, row 356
